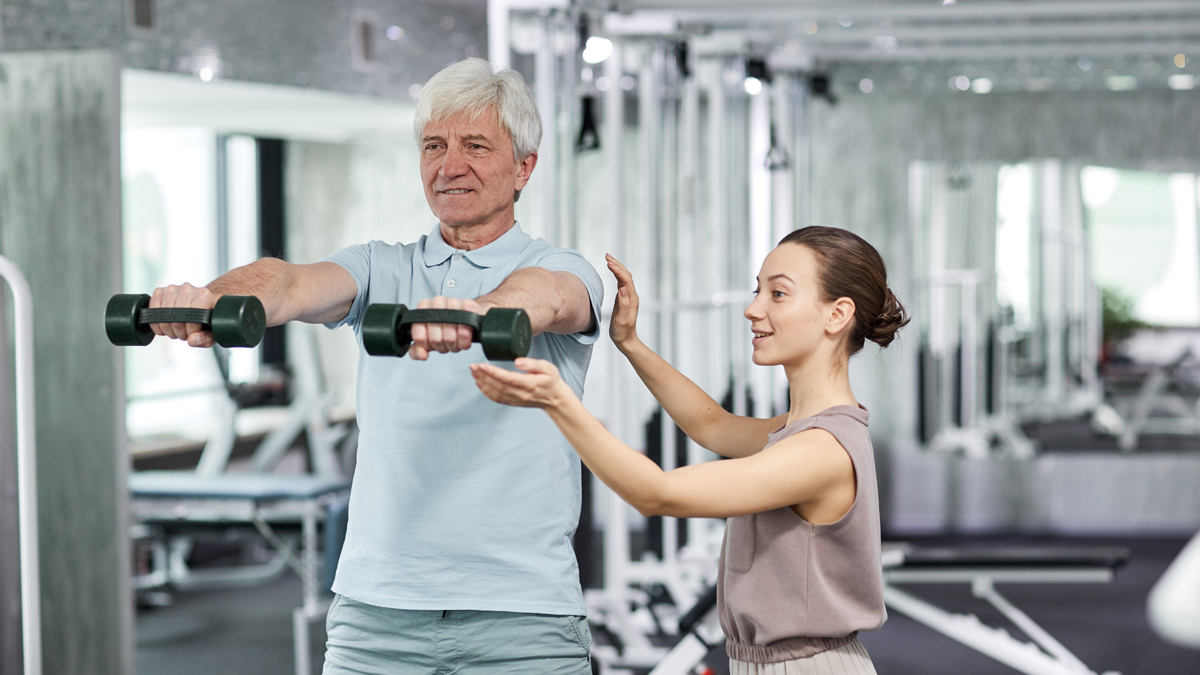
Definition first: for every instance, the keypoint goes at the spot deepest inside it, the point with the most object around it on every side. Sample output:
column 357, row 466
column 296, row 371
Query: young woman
column 799, row 573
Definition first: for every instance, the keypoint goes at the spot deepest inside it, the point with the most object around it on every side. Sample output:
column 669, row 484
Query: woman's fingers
column 500, row 385
column 624, row 279
column 528, row 388
column 539, row 366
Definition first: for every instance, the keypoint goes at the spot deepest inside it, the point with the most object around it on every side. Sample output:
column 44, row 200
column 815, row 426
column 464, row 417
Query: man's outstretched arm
column 556, row 302
column 317, row 293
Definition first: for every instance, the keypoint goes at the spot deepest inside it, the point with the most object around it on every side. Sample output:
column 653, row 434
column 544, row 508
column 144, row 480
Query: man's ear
column 841, row 315
column 525, row 170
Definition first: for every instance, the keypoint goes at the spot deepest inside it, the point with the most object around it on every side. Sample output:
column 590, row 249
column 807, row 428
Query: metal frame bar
column 786, row 10
column 227, row 511
column 1101, row 27
column 31, row 609
column 994, row 642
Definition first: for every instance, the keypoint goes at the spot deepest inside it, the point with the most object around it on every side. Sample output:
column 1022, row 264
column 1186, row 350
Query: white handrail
column 31, row 612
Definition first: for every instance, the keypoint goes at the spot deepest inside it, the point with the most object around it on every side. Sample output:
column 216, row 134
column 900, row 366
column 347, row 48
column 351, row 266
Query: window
column 1141, row 228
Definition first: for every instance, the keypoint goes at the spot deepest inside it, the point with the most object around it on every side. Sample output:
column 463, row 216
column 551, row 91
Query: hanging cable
column 778, row 158
column 589, row 137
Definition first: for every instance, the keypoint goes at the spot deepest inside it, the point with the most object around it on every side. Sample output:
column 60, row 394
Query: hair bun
column 891, row 318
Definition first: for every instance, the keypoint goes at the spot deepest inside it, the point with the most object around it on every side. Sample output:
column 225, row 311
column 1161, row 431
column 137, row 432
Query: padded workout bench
column 983, row 568
column 176, row 498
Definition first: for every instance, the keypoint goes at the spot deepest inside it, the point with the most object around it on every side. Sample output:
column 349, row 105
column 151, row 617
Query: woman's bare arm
column 696, row 413
column 808, row 469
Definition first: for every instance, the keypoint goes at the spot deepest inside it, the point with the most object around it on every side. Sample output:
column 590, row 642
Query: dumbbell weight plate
column 505, row 334
column 235, row 320
column 238, row 321
column 121, row 320
column 381, row 330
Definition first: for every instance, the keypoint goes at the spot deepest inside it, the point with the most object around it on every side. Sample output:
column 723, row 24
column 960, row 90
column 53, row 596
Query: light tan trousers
column 849, row 659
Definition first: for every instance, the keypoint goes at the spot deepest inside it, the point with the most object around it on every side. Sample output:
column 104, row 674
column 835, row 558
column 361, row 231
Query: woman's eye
column 778, row 294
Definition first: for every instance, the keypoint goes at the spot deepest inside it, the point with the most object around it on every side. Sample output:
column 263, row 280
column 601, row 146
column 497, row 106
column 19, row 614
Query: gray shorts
column 364, row 639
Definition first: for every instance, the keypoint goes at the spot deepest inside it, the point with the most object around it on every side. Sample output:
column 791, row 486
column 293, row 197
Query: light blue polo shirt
column 459, row 502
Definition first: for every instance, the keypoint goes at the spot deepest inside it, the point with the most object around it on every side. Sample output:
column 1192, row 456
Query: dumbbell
column 235, row 320
column 504, row 333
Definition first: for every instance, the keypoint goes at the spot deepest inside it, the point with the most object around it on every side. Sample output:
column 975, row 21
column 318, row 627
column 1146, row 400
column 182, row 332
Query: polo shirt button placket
column 457, row 257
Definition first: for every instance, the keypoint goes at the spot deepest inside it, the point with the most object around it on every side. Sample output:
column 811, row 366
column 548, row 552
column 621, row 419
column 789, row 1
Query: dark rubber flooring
column 249, row 631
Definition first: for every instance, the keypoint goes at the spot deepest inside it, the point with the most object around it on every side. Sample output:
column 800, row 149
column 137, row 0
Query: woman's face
column 787, row 318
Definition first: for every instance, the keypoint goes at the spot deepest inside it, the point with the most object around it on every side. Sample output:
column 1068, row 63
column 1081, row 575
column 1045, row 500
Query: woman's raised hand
column 623, row 327
column 538, row 385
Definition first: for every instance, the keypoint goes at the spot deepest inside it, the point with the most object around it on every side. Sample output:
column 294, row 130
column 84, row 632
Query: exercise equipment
column 235, row 320
column 1167, row 401
column 1171, row 605
column 31, row 607
column 504, row 333
column 980, row 567
column 176, row 510
column 984, row 567
column 309, row 413
column 175, row 499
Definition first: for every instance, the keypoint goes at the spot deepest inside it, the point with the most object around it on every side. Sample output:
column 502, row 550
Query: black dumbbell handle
column 458, row 316
column 175, row 315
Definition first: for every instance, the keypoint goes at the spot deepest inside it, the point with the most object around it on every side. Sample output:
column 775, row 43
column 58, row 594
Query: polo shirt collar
column 499, row 252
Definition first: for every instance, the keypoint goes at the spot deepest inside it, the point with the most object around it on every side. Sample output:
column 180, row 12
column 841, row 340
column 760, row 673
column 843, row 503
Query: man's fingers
column 201, row 339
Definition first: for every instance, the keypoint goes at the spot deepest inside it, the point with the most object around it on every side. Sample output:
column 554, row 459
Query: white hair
column 471, row 88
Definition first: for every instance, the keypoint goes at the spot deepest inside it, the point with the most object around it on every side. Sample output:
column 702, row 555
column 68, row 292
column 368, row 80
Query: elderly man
column 458, row 555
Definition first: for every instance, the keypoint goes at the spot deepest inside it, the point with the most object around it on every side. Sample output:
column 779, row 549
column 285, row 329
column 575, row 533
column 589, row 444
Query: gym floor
column 248, row 631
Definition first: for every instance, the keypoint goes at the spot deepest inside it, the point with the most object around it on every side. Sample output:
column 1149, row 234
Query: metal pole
column 31, row 614
column 565, row 125
column 547, row 88
column 616, row 525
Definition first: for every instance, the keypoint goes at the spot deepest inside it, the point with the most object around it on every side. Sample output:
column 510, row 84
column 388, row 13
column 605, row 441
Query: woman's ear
column 841, row 315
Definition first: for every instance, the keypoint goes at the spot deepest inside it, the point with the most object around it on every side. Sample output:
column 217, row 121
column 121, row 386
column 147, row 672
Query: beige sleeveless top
column 788, row 589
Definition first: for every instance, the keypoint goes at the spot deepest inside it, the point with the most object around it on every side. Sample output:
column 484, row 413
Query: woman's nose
column 752, row 310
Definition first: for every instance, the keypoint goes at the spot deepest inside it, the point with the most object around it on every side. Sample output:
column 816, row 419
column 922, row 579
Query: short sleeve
column 568, row 260
column 357, row 261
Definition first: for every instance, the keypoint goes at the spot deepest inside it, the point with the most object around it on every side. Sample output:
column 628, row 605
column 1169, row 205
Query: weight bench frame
column 1043, row 656
column 906, row 564
column 175, row 497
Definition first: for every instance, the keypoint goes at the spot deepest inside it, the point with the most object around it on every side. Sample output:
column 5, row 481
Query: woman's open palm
column 623, row 326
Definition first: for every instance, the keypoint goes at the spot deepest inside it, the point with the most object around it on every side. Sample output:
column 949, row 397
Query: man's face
column 468, row 170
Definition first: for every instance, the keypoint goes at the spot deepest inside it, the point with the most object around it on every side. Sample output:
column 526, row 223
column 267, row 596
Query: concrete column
column 60, row 223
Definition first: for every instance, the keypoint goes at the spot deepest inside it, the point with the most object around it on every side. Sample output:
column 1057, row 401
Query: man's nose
column 454, row 163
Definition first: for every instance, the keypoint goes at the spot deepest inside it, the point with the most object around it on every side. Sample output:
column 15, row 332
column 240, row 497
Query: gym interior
column 1030, row 172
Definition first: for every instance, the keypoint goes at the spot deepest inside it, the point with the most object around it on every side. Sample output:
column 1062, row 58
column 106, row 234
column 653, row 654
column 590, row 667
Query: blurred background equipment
column 1030, row 172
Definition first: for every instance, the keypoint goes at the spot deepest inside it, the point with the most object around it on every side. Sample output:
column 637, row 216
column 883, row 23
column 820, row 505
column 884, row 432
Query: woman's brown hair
column 852, row 268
